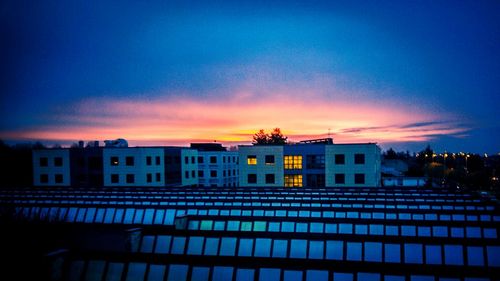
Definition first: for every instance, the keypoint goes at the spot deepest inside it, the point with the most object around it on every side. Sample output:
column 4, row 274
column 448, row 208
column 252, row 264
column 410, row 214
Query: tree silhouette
column 275, row 137
column 260, row 137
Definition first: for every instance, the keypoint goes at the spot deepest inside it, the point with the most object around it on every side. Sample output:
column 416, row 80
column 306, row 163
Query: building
column 316, row 164
column 217, row 167
column 181, row 166
column 133, row 166
column 86, row 165
column 51, row 167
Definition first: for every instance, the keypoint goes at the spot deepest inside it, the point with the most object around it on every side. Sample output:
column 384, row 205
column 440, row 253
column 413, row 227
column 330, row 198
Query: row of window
column 296, row 180
column 213, row 159
column 344, row 228
column 292, row 162
column 408, row 253
column 130, row 178
column 138, row 271
column 167, row 216
column 44, row 161
column 58, row 178
column 214, row 173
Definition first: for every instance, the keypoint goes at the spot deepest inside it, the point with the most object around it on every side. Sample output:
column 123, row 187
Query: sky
column 404, row 74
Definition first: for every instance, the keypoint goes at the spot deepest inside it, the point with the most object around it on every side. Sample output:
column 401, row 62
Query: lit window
column 293, row 180
column 114, row 161
column 293, row 162
column 252, row 160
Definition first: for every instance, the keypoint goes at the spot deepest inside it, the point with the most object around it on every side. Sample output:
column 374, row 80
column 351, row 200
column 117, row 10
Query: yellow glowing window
column 252, row 160
column 292, row 162
column 293, row 180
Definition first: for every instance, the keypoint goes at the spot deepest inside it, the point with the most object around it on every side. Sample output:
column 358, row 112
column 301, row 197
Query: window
column 292, row 162
column 149, row 177
column 200, row 159
column 44, row 161
column 58, row 161
column 315, row 161
column 114, row 161
column 201, row 174
column 129, row 160
column 58, row 178
column 213, row 173
column 193, row 174
column 193, row 160
column 270, row 178
column 340, row 178
column 213, row 159
column 158, row 177
column 359, row 178
column 158, row 160
column 186, row 174
column 293, row 180
column 339, row 159
column 269, row 159
column 130, row 178
column 148, row 160
column 359, row 158
column 252, row 178
column 114, row 178
column 252, row 160
column 186, row 160
column 44, row 178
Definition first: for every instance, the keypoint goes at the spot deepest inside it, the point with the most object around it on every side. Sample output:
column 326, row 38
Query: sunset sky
column 401, row 73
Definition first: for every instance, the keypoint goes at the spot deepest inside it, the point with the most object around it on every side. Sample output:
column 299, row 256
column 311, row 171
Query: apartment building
column 51, row 167
column 217, row 167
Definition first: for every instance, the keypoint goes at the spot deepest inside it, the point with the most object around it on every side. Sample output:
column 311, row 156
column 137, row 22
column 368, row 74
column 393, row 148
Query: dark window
column 148, row 160
column 269, row 159
column 201, row 174
column 114, row 161
column 223, row 159
column 252, row 178
column 186, row 174
column 158, row 177
column 269, row 178
column 213, row 173
column 149, row 177
column 339, row 159
column 44, row 162
column 130, row 178
column 193, row 160
column 129, row 160
column 114, row 178
column 359, row 158
column 58, row 161
column 200, row 159
column 58, row 178
column 213, row 159
column 339, row 178
column 224, row 173
column 44, row 178
column 193, row 174
column 359, row 178
column 158, row 160
column 315, row 161
column 186, row 160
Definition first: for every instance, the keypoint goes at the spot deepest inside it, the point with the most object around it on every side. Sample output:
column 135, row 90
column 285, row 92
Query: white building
column 352, row 165
column 133, row 166
column 189, row 167
column 218, row 168
column 51, row 167
column 261, row 165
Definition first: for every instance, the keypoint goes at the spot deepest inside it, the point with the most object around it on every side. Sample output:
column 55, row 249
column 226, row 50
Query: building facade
column 313, row 164
column 217, row 167
column 51, row 167
column 133, row 166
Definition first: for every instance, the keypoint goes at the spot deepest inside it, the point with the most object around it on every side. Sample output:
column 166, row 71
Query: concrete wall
column 261, row 168
column 49, row 170
column 139, row 169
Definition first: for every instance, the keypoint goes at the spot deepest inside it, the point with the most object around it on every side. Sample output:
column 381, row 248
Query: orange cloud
column 300, row 113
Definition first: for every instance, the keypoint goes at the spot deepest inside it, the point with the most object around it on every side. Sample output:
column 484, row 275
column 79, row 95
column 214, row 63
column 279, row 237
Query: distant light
column 486, row 155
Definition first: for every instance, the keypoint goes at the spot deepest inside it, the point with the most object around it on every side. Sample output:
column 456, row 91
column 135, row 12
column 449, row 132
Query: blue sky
column 402, row 73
